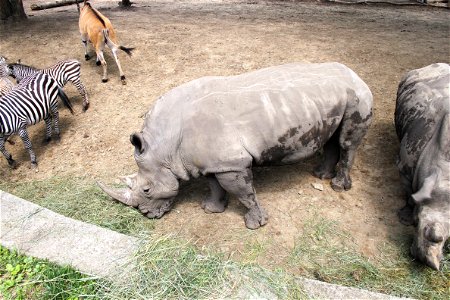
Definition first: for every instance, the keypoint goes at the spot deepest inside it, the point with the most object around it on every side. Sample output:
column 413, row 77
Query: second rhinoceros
column 422, row 120
column 220, row 127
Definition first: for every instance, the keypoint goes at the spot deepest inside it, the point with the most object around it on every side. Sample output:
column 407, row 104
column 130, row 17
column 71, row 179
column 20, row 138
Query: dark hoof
column 85, row 107
column 12, row 163
column 98, row 63
column 86, row 57
column 255, row 218
column 104, row 80
column 34, row 165
column 210, row 206
column 46, row 140
column 340, row 185
column 57, row 139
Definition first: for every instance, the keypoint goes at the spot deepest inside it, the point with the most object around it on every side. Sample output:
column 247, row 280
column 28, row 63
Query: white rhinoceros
column 220, row 127
column 422, row 121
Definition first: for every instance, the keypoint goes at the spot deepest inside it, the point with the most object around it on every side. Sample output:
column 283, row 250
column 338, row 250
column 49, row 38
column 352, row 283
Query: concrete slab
column 42, row 233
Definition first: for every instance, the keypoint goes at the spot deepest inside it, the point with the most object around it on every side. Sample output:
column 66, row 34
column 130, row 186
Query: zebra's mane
column 20, row 65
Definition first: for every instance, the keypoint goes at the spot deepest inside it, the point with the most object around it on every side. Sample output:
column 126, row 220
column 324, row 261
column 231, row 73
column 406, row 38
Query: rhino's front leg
column 217, row 200
column 406, row 213
column 240, row 183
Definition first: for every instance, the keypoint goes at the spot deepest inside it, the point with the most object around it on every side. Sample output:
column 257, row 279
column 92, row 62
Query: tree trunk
column 125, row 3
column 12, row 8
column 46, row 5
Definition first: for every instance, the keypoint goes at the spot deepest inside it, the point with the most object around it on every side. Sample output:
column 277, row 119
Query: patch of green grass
column 81, row 199
column 167, row 268
column 23, row 277
column 325, row 252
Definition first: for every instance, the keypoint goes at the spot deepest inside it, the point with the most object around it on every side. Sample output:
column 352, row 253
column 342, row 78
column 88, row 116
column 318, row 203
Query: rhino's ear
column 138, row 142
column 425, row 190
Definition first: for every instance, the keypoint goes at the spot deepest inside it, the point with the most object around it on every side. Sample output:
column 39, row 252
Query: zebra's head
column 19, row 71
column 3, row 67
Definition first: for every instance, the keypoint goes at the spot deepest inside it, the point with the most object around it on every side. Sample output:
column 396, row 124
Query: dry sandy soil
column 177, row 41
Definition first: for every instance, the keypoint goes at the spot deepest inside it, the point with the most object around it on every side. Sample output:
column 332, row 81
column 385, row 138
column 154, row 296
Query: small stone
column 317, row 186
column 300, row 192
column 85, row 135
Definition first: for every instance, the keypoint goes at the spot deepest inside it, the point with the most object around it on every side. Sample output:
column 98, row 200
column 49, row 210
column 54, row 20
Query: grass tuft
column 81, row 199
column 326, row 253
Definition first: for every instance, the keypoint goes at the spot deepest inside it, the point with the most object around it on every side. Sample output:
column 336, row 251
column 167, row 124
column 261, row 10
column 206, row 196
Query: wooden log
column 58, row 3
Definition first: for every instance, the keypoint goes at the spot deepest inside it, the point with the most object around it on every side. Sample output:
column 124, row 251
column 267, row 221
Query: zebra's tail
column 108, row 40
column 65, row 99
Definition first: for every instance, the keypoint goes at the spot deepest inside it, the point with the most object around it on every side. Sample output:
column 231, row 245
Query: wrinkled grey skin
column 422, row 122
column 219, row 127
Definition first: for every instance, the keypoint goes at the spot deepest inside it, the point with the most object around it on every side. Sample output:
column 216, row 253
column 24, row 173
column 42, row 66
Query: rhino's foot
column 214, row 206
column 406, row 215
column 255, row 218
column 323, row 173
column 340, row 184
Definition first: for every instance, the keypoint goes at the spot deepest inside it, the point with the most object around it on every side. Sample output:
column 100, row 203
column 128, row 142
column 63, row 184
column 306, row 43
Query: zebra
column 5, row 84
column 63, row 71
column 27, row 105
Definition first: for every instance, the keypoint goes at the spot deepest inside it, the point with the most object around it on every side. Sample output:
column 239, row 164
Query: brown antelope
column 97, row 29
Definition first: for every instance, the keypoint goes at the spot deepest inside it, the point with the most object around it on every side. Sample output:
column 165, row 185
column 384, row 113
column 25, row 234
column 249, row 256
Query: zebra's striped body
column 27, row 105
column 63, row 71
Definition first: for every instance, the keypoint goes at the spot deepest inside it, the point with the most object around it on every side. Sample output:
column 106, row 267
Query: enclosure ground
column 177, row 41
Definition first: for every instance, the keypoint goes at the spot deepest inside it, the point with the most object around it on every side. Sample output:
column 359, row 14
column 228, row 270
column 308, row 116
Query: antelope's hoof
column 105, row 80
column 86, row 57
column 98, row 63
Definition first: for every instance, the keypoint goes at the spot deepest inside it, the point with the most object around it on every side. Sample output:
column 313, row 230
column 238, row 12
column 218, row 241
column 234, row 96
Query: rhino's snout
column 428, row 252
column 155, row 209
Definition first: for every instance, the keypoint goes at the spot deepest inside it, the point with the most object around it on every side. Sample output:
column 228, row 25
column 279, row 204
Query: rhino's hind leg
column 240, row 183
column 327, row 168
column 217, row 200
column 350, row 136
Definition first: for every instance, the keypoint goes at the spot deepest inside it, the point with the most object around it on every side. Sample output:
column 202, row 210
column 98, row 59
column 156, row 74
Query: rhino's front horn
column 123, row 195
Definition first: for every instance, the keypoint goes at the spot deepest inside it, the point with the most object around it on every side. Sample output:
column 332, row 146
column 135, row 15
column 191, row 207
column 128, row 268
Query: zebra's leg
column 48, row 130
column 114, row 49
column 82, row 90
column 55, row 117
column 84, row 40
column 27, row 143
column 5, row 153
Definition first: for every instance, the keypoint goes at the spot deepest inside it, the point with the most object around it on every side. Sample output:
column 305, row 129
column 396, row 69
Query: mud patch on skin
column 292, row 142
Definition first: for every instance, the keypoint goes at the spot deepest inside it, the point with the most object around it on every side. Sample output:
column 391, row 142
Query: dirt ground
column 177, row 41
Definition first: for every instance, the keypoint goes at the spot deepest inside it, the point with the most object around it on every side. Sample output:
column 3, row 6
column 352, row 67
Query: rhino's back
column 422, row 101
column 230, row 118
